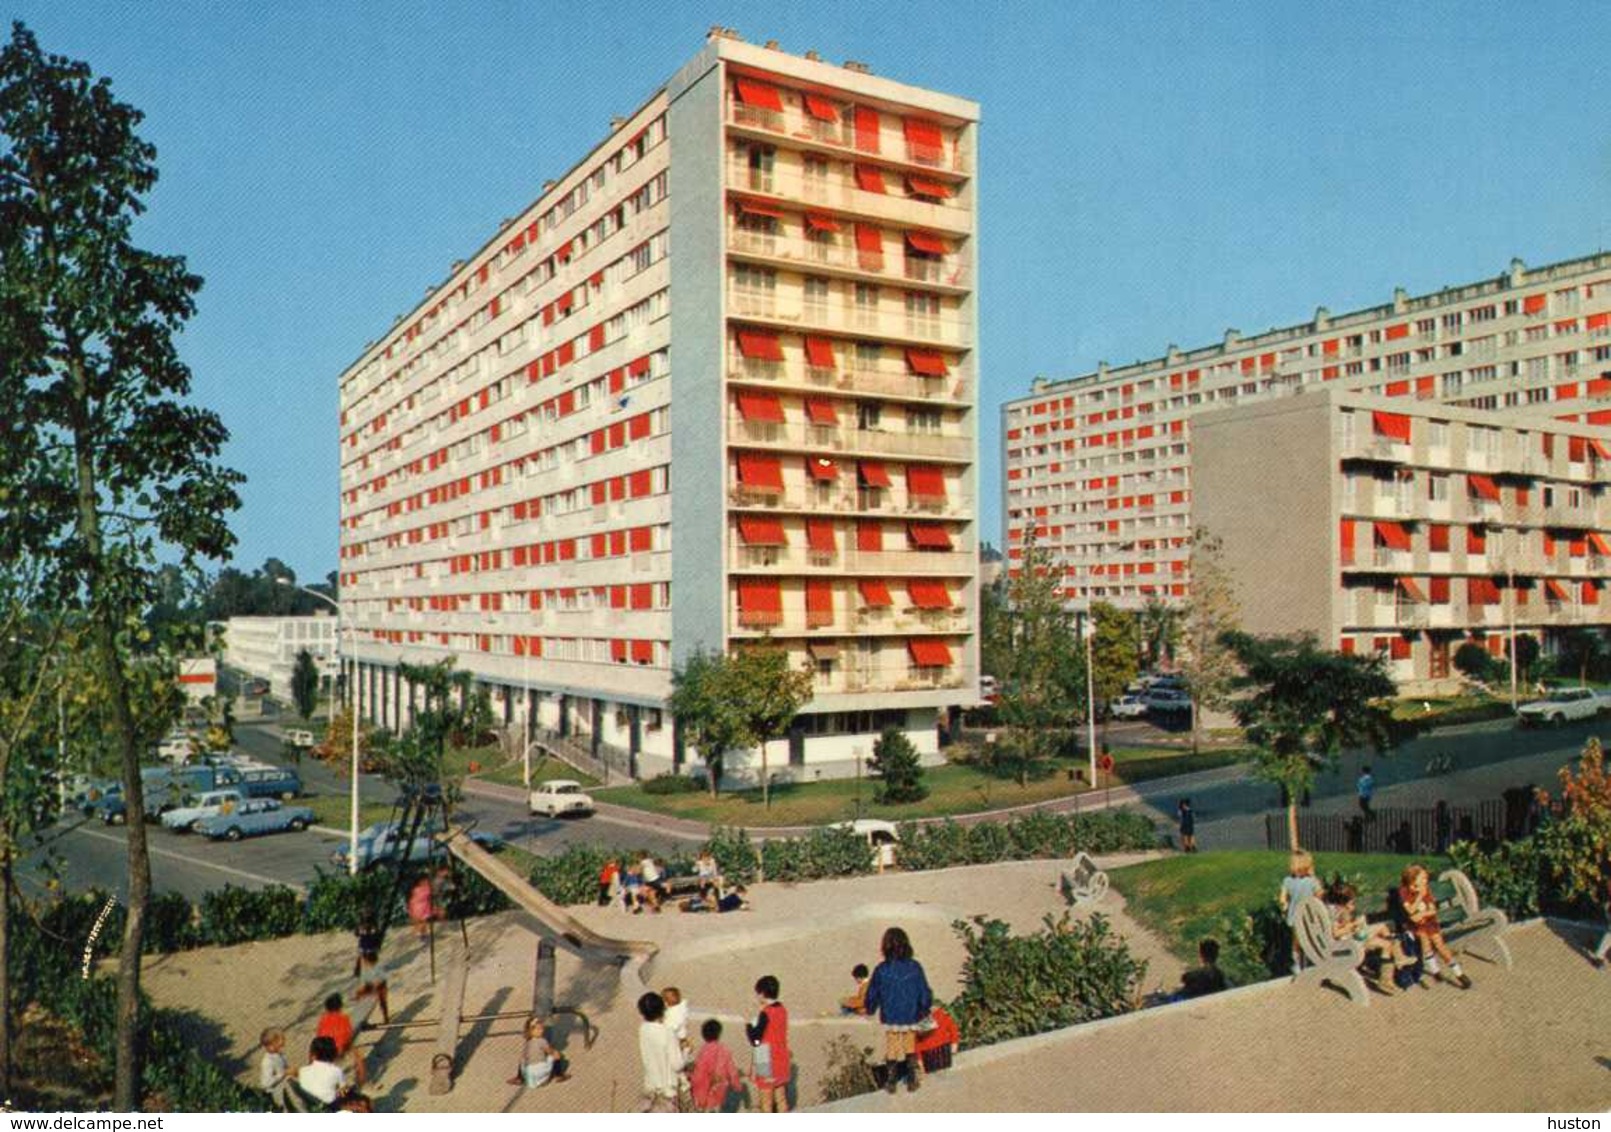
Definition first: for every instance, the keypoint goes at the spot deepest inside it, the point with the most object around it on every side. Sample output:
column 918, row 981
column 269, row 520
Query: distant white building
column 198, row 676
column 267, row 648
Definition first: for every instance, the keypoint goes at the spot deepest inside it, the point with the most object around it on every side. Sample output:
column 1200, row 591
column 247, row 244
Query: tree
column 455, row 709
column 1112, row 653
column 769, row 694
column 305, row 685
column 725, row 703
column 1208, row 663
column 896, row 765
column 1527, row 650
column 1579, row 649
column 995, row 628
column 1300, row 705
column 707, row 718
column 1577, row 839
column 105, row 457
column 1160, row 626
column 1042, row 690
column 1474, row 661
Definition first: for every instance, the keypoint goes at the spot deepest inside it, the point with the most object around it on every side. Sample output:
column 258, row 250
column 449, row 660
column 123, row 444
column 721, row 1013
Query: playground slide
column 595, row 947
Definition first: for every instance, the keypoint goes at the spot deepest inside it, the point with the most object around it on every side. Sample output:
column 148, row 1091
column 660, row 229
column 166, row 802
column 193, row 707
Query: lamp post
column 352, row 709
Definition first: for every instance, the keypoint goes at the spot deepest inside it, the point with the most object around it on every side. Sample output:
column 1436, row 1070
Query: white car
column 1128, row 707
column 176, row 749
column 300, row 739
column 1563, row 705
column 196, row 807
column 559, row 796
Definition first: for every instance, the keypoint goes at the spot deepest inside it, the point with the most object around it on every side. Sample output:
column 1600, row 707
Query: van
column 270, row 782
column 301, row 739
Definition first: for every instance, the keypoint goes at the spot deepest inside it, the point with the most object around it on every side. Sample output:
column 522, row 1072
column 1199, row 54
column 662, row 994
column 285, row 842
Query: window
column 761, row 159
column 869, row 415
column 1437, row 488
column 866, row 310
column 923, row 421
column 922, row 314
column 815, row 293
column 815, row 168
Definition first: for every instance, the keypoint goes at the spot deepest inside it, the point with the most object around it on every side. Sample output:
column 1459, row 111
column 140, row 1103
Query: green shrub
column 171, row 924
column 736, row 855
column 1068, row 972
column 936, row 845
column 848, row 1072
column 1514, row 877
column 239, row 915
column 820, row 854
column 672, row 783
column 1255, row 945
column 572, row 875
column 338, row 902
column 897, row 769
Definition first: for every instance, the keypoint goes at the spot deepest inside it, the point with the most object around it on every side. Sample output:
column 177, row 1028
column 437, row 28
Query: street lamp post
column 352, row 710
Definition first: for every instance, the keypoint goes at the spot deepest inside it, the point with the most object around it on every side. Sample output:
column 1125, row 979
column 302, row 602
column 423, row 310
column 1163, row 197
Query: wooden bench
column 1084, row 883
column 1327, row 959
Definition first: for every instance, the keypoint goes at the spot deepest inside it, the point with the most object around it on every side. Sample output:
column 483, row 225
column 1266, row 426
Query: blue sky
column 1149, row 173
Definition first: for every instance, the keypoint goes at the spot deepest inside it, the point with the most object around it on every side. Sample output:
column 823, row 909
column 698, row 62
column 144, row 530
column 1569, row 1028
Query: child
column 856, row 1003
column 632, row 890
column 323, row 1081
column 1299, row 885
column 735, row 900
column 609, row 877
column 540, row 1062
column 273, row 1074
column 708, row 874
column 715, row 1075
column 368, row 972
column 1377, row 938
column 421, row 908
column 1188, row 826
column 1204, row 979
column 661, row 1056
column 769, row 1040
column 337, row 1026
column 677, row 1016
column 1415, row 894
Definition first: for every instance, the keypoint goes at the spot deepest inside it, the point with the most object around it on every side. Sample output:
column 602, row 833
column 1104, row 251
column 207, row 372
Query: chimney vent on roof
column 1232, row 336
column 458, row 263
column 732, row 34
column 813, row 56
column 1517, row 270
column 858, row 67
column 617, row 122
column 770, row 45
column 1401, row 300
column 547, row 185
column 1322, row 318
column 714, row 32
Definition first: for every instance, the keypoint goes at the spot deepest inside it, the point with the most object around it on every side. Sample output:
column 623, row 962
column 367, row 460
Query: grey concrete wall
column 698, row 459
column 1262, row 481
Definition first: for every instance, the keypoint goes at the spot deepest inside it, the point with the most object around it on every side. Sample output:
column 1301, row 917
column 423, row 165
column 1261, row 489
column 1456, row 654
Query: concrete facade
column 714, row 388
column 267, row 647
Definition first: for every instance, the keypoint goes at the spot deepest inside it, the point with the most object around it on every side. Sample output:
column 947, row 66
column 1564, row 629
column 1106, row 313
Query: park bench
column 1467, row 925
column 1084, row 882
column 1325, row 958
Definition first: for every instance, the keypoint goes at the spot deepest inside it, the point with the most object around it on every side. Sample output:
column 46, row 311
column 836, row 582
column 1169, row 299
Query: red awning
column 822, row 468
column 1597, row 446
column 922, row 187
column 1393, row 535
column 869, row 239
column 925, row 139
column 926, row 363
column 927, row 242
column 1482, row 486
column 869, row 179
column 819, row 601
column 755, row 208
column 930, row 654
column 820, row 536
column 816, row 222
column 873, row 474
column 752, row 93
column 1411, row 589
column 925, row 481
column 760, row 407
column 928, row 536
column 819, row 353
column 821, row 109
column 875, row 593
column 1599, row 543
column 761, row 345
column 928, row 594
column 1532, row 304
column 756, row 470
column 1393, row 425
column 760, row 595
column 1555, row 591
column 820, row 411
column 757, row 530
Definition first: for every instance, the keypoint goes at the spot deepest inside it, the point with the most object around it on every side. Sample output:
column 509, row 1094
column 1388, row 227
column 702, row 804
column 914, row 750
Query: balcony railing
column 946, row 271
column 794, row 122
column 838, row 192
column 796, row 558
column 884, row 321
column 800, row 435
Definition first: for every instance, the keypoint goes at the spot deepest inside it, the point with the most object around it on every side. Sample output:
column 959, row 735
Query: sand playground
column 1524, row 1039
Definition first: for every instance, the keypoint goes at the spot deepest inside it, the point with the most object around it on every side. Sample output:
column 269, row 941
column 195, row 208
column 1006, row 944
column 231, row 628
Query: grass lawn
column 543, row 769
column 1183, row 898
column 954, row 788
column 1451, row 710
column 333, row 809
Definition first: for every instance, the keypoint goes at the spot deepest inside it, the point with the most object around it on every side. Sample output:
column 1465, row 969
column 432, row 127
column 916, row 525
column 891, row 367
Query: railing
column 839, row 192
column 842, row 136
column 947, row 271
column 883, row 505
column 791, row 624
column 788, row 307
column 796, row 434
column 797, row 558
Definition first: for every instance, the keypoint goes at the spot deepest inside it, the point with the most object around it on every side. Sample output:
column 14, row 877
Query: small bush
column 1255, row 945
column 671, row 783
column 821, row 854
column 572, row 876
column 1514, row 877
column 736, row 855
column 897, row 769
column 848, row 1072
column 239, row 915
column 1068, row 972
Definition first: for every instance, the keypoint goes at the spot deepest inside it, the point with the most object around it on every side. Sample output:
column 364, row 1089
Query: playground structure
column 426, row 809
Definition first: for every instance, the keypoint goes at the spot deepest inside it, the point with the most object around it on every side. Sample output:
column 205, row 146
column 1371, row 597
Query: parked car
column 167, row 788
column 382, row 843
column 255, row 687
column 1166, row 701
column 1562, row 705
column 196, row 807
column 299, row 738
column 255, row 816
column 1128, row 707
column 883, row 839
column 271, row 782
column 176, row 748
column 557, row 797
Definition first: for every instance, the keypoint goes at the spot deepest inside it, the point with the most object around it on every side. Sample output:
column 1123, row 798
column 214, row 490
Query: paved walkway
column 1530, row 1039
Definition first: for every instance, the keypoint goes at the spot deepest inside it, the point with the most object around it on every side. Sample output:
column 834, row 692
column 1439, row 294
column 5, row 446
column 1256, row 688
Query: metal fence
column 1402, row 830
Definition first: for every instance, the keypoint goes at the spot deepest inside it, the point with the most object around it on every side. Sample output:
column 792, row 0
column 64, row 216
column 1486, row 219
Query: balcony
column 801, row 436
column 841, row 256
column 1379, row 449
column 795, row 623
column 796, row 558
column 794, row 123
column 838, row 192
column 879, row 504
column 788, row 310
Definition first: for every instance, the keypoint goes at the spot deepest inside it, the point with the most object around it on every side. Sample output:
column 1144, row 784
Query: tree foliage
column 1301, row 705
column 1113, row 655
column 896, row 765
column 305, row 685
column 268, row 591
column 728, row 702
column 1474, row 661
column 1208, row 664
column 104, row 459
column 1576, row 841
column 1043, row 676
column 1161, row 628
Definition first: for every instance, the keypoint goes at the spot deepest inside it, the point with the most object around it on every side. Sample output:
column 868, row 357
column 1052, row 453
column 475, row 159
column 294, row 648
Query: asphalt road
column 88, row 854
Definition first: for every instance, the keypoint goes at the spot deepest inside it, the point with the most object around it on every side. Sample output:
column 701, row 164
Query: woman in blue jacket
column 899, row 994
